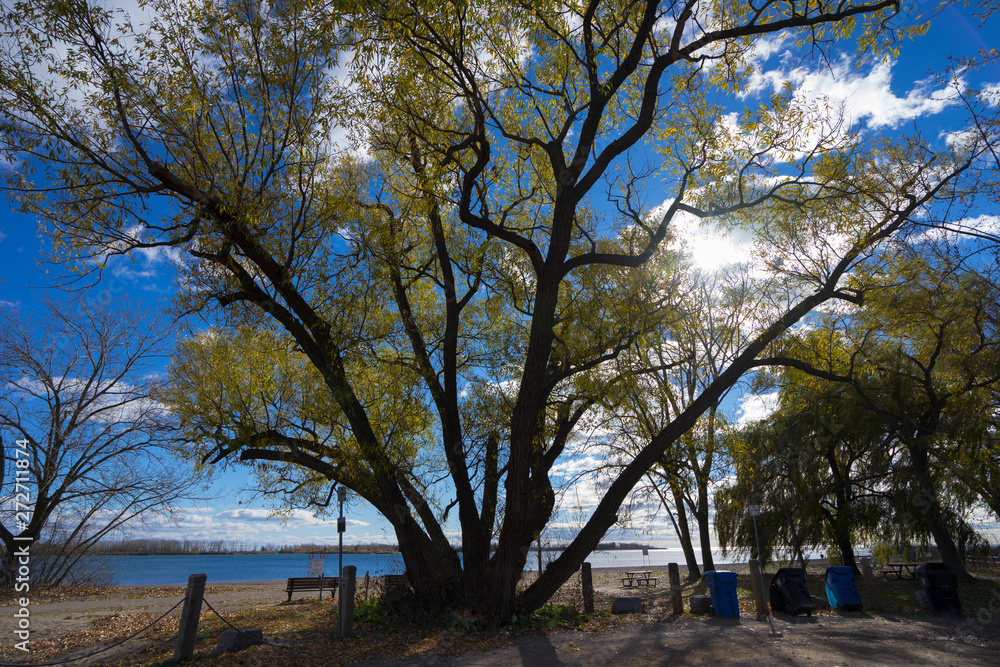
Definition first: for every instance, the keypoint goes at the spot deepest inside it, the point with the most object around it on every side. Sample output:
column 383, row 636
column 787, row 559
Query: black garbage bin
column 941, row 584
column 789, row 594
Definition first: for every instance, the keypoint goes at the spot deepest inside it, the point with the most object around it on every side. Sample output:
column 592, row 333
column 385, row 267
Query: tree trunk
column 702, row 473
column 930, row 506
column 839, row 519
column 7, row 565
column 434, row 569
column 704, row 524
column 842, row 536
column 529, row 496
column 684, row 533
column 681, row 526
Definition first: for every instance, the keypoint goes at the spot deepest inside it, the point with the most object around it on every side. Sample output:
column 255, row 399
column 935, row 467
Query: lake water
column 169, row 570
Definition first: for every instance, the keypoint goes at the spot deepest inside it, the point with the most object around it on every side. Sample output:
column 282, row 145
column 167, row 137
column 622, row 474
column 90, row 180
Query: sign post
column 316, row 570
column 341, row 527
column 754, row 511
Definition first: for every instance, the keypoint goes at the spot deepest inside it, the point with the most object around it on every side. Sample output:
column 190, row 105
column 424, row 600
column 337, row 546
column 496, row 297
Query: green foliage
column 548, row 617
column 373, row 611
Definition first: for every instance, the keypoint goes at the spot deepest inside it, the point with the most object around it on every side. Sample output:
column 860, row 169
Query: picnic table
column 899, row 571
column 638, row 578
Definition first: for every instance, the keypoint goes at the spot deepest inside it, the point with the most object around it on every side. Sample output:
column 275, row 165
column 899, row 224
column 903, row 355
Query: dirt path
column 819, row 642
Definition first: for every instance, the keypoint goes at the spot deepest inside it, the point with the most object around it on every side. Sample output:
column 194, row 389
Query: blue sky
column 895, row 95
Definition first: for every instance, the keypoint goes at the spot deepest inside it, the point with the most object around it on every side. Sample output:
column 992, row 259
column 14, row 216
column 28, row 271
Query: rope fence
column 101, row 650
column 224, row 620
column 186, row 633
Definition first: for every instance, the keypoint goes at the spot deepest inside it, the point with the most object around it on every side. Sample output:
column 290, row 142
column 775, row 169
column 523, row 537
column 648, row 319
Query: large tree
column 473, row 247
column 817, row 466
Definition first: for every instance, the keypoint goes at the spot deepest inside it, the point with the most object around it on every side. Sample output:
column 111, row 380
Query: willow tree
column 473, row 245
column 887, row 424
column 818, row 467
column 930, row 344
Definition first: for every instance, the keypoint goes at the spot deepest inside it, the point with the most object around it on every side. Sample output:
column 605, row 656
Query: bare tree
column 86, row 447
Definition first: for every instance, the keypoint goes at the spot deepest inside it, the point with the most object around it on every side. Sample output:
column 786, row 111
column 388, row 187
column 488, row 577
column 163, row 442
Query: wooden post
column 676, row 601
column 347, row 598
column 874, row 602
column 757, row 581
column 191, row 612
column 586, row 578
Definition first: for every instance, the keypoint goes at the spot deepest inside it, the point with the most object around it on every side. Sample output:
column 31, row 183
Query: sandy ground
column 53, row 619
column 830, row 639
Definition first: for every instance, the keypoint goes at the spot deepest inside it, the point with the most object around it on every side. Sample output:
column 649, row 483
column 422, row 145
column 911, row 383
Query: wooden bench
column 302, row 584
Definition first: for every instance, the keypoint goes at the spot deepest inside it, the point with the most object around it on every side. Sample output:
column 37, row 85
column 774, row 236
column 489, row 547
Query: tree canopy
column 886, row 430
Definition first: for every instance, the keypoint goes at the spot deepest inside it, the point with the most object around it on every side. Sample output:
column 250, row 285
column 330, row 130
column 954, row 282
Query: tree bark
column 684, row 530
column 704, row 525
column 930, row 506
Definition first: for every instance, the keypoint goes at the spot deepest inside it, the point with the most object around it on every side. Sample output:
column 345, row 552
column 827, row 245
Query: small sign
column 755, row 510
column 316, row 567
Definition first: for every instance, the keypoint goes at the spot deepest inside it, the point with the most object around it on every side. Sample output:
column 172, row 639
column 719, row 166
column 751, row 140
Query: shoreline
column 740, row 567
column 527, row 576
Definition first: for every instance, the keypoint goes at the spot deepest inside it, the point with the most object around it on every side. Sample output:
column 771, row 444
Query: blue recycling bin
column 722, row 588
column 841, row 590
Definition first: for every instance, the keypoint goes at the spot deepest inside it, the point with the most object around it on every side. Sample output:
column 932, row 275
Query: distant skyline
column 894, row 95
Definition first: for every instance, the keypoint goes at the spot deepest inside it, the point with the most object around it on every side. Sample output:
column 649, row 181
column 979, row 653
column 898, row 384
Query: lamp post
column 341, row 527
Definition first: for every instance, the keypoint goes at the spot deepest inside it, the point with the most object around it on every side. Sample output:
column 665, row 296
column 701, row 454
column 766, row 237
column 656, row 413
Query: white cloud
column 767, row 46
column 290, row 520
column 991, row 93
column 256, row 526
column 984, row 224
column 863, row 96
column 577, row 465
column 754, row 407
column 955, row 232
